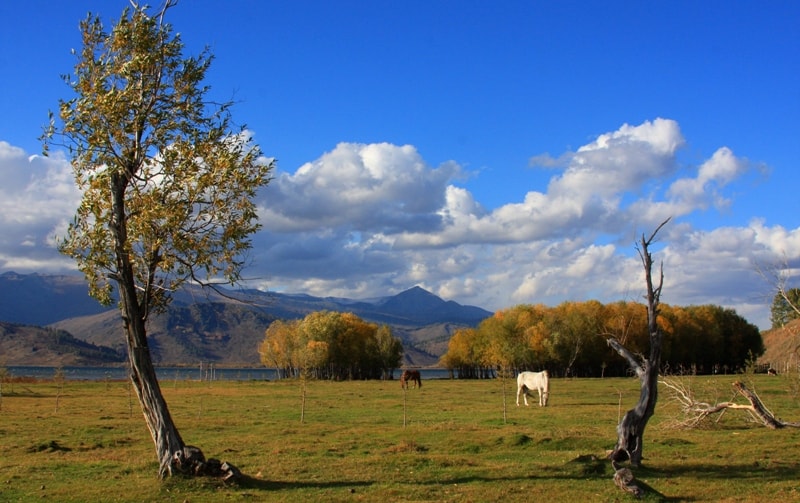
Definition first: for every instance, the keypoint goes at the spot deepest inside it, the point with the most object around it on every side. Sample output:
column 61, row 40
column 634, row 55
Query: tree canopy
column 167, row 182
column 785, row 307
column 168, row 186
column 570, row 339
column 331, row 345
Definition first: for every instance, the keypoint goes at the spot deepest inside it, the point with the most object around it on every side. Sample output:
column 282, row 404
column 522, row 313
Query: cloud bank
column 366, row 220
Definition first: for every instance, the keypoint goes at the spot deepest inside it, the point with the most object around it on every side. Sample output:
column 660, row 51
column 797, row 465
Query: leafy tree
column 354, row 349
column 536, row 335
column 279, row 345
column 575, row 329
column 168, row 187
column 359, row 350
column 506, row 347
column 785, row 307
column 328, row 327
column 742, row 340
column 389, row 350
column 460, row 353
column 626, row 322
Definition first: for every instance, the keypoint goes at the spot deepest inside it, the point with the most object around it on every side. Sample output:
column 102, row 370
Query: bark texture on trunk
column 172, row 453
column 630, row 430
column 165, row 435
column 134, row 313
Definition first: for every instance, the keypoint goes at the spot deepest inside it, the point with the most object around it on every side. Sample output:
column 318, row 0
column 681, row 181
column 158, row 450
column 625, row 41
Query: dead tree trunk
column 757, row 408
column 630, row 430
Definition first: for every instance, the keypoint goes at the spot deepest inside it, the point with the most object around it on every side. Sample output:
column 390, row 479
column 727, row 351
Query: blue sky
column 495, row 153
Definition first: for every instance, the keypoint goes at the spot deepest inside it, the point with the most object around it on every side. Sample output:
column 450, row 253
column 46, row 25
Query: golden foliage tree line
column 331, row 345
column 570, row 340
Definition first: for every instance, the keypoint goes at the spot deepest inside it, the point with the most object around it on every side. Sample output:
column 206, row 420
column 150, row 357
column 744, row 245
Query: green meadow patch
column 371, row 441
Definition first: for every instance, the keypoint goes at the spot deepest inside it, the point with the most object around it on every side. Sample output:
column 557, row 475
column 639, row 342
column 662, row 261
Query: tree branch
column 696, row 411
column 633, row 361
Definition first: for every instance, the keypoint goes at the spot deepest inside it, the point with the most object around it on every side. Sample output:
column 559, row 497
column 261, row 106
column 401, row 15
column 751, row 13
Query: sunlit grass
column 368, row 441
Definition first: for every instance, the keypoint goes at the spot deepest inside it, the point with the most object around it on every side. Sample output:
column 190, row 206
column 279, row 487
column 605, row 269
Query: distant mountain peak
column 414, row 298
column 418, row 291
column 211, row 326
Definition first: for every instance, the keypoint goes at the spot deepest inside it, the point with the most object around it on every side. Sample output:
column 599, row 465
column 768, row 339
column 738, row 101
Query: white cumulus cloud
column 365, row 220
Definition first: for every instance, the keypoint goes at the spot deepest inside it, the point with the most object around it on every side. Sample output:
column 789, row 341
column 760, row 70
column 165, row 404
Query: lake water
column 204, row 373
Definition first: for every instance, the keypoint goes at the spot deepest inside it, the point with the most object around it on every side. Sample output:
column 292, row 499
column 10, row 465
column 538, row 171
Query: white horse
column 529, row 381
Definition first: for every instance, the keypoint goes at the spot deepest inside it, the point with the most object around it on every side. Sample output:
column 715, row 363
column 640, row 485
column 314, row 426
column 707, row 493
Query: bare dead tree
column 630, row 430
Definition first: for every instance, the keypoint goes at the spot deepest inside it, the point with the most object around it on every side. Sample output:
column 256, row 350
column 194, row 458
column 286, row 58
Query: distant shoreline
column 206, row 372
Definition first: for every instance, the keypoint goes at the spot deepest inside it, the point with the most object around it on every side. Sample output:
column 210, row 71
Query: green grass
column 354, row 446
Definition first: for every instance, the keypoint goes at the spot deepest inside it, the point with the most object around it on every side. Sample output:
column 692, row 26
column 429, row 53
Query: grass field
column 368, row 441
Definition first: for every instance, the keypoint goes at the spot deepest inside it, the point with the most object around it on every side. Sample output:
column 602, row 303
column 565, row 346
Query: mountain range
column 51, row 320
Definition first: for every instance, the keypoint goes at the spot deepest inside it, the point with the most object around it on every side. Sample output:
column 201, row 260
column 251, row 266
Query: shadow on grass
column 582, row 468
column 590, row 467
column 247, row 482
column 772, row 471
column 651, row 494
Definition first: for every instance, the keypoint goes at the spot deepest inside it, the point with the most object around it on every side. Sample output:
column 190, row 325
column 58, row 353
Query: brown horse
column 410, row 375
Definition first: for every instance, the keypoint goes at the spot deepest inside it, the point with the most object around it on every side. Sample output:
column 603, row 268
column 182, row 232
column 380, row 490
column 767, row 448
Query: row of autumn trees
column 570, row 340
column 331, row 345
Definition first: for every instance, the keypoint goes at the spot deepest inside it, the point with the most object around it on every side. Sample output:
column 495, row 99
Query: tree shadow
column 590, row 467
column 248, row 482
column 582, row 468
column 651, row 494
column 772, row 471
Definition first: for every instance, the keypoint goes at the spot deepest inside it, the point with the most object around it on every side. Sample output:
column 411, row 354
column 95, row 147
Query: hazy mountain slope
column 28, row 345
column 210, row 332
column 36, row 299
column 204, row 325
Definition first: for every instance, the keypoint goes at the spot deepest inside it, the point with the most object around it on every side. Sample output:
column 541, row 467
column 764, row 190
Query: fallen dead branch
column 696, row 411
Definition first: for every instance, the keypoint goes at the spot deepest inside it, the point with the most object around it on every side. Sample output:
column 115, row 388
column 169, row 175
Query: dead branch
column 633, row 362
column 696, row 411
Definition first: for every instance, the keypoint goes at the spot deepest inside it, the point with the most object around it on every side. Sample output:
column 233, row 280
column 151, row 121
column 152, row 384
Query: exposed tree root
column 624, row 479
column 191, row 461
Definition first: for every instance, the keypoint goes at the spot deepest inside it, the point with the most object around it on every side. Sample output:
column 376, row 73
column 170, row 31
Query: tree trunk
column 697, row 411
column 170, row 449
column 165, row 435
column 173, row 455
column 758, row 408
column 630, row 430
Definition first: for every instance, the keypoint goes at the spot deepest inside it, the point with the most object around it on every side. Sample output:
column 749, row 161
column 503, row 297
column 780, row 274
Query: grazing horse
column 529, row 381
column 410, row 375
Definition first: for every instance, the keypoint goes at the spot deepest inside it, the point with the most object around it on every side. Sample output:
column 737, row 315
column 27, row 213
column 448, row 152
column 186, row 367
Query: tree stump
column 624, row 479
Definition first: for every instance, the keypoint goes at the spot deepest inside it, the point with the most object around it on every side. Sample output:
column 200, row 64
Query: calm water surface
column 205, row 372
